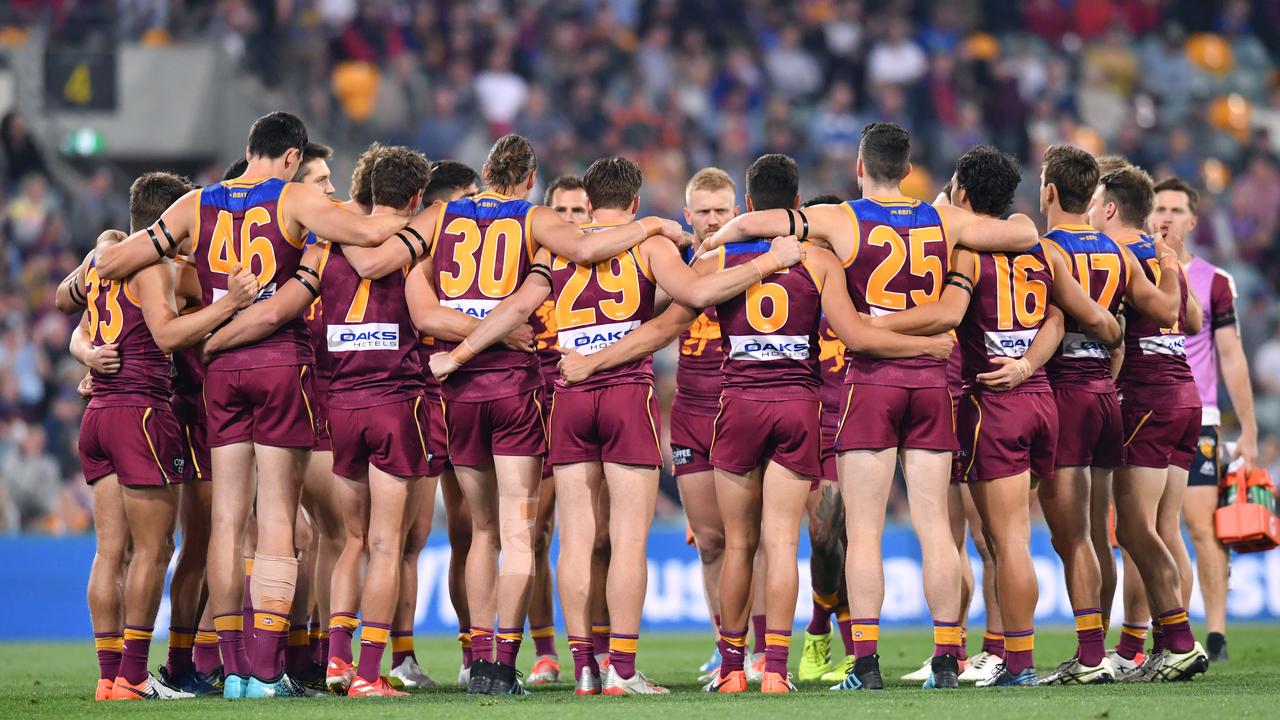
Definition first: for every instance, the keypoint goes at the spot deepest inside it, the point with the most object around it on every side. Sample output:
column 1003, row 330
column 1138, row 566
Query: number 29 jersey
column 1099, row 266
column 240, row 224
column 482, row 252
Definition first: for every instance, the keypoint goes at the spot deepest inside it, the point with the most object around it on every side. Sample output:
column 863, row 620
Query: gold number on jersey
column 107, row 330
column 223, row 256
column 1014, row 287
column 779, row 307
column 360, row 302
column 623, row 281
column 503, row 239
column 922, row 265
column 1106, row 262
column 1154, row 263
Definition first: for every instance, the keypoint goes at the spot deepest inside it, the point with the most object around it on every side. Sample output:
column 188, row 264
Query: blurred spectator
column 21, row 156
column 896, row 59
column 98, row 208
column 31, row 480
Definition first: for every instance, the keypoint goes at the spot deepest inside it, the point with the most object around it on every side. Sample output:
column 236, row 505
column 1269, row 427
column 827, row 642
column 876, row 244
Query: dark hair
column 990, row 178
column 361, row 187
column 1177, row 184
column 313, row 151
column 1107, row 163
column 564, row 182
column 1130, row 188
column 151, row 194
column 885, row 150
column 235, row 169
column 275, row 134
column 446, row 177
column 612, row 183
column 398, row 174
column 773, row 181
column 827, row 199
column 1074, row 173
column 510, row 161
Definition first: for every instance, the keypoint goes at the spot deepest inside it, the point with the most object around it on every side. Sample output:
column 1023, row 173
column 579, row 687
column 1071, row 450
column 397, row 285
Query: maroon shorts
column 437, row 433
column 1160, row 438
column 476, row 431
column 749, row 432
column 548, row 395
column 391, row 437
column 272, row 406
column 876, row 417
column 1090, row 431
column 617, row 423
column 195, row 436
column 141, row 446
column 691, row 442
column 320, row 407
column 1005, row 434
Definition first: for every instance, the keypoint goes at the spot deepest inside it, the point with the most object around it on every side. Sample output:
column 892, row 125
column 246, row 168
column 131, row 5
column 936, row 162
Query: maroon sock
column 109, row 647
column 481, row 643
column 133, row 660
column 964, row 644
column 845, row 624
column 313, row 641
column 340, row 636
column 993, row 644
column 401, row 647
column 464, row 641
column 1132, row 638
column 1157, row 637
column 180, row 662
column 1090, row 638
column 297, row 653
column 866, row 636
column 246, row 609
column 583, row 651
column 622, row 654
column 266, row 647
column 1017, row 660
column 544, row 639
column 820, row 615
column 373, row 643
column 758, row 631
column 946, row 638
column 777, row 644
column 600, row 637
column 508, row 641
column 235, row 658
column 205, row 655
column 1177, row 631
column 733, row 650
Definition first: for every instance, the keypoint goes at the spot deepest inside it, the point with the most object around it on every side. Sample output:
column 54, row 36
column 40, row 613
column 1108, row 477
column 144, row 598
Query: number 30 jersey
column 900, row 261
column 240, row 225
column 1099, row 266
column 481, row 254
column 769, row 333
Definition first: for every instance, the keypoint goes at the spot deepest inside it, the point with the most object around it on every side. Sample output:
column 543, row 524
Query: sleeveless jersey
column 1010, row 297
column 188, row 379
column 315, row 325
column 543, row 321
column 770, row 332
column 430, row 385
column 1098, row 265
column 900, row 262
column 240, row 222
column 1216, row 290
column 831, row 364
column 599, row 305
column 145, row 378
column 1155, row 372
column 698, row 366
column 370, row 337
column 481, row 254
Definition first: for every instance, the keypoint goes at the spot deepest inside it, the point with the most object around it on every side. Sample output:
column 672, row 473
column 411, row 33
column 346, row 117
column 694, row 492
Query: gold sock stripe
column 738, row 641
column 828, row 600
column 950, row 635
column 135, row 634
column 375, row 635
column 228, row 623
column 181, row 640
column 579, row 642
column 1140, row 633
column 109, row 643
column 313, row 634
column 600, row 629
column 206, row 637
column 1019, row 643
column 248, row 566
column 299, row 636
column 464, row 640
column 402, row 643
column 543, row 632
column 992, row 636
column 843, row 615
column 1091, row 621
column 865, row 632
column 270, row 622
column 623, row 645
column 1164, row 621
column 343, row 622
column 776, row 639
column 509, row 637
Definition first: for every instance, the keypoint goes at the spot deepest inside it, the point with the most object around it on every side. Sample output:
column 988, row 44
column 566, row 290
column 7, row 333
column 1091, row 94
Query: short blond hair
column 1109, row 163
column 709, row 179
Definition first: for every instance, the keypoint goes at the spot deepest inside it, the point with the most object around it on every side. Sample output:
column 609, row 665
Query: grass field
column 56, row 680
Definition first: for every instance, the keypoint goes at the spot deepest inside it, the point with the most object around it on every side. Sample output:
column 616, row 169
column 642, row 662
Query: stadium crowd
column 1186, row 88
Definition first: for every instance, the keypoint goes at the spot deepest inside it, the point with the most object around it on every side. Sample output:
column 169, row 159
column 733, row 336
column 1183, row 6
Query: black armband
column 962, row 285
column 541, row 269
column 310, row 271
column 77, row 292
column 413, row 254
column 173, row 244
column 791, row 218
column 155, row 242
column 315, row 293
column 952, row 275
column 804, row 226
column 422, row 242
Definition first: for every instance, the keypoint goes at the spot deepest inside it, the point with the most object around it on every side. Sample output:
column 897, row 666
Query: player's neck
column 608, row 216
column 1058, row 217
column 881, row 190
column 262, row 167
column 1122, row 232
column 388, row 210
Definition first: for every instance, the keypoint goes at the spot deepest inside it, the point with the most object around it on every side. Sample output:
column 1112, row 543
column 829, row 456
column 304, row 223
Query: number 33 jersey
column 240, row 224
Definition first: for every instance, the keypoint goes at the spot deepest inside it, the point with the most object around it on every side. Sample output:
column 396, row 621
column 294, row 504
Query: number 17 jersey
column 1098, row 264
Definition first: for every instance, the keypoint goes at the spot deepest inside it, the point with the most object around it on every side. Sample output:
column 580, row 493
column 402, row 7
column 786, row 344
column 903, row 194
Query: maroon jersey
column 599, row 305
column 900, row 262
column 698, row 367
column 430, row 385
column 1011, row 293
column 371, row 340
column 1155, row 372
column 482, row 252
column 543, row 321
column 188, row 378
column 240, row 224
column 145, row 378
column 831, row 364
column 1098, row 264
column 770, row 332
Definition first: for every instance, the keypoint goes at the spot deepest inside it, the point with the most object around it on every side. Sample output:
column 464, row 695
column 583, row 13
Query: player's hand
column 672, row 231
column 105, row 359
column 787, row 249
column 1008, row 374
column 574, row 366
column 85, row 388
column 442, row 365
column 686, row 240
column 717, row 239
column 1247, row 450
column 940, row 345
column 521, row 339
column 242, row 287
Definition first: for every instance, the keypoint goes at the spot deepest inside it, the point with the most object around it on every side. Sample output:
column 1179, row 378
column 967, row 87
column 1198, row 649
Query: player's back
column 900, row 262
column 1154, row 356
column 598, row 305
column 145, row 378
column 831, row 367
column 372, row 343
column 770, row 332
column 1097, row 263
column 481, row 254
column 240, row 224
column 1010, row 298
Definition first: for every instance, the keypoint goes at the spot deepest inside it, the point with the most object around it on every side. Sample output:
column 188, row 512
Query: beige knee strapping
column 274, row 580
column 517, row 516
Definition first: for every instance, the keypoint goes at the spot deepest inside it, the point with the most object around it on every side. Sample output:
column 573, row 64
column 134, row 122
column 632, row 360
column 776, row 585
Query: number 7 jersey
column 240, row 224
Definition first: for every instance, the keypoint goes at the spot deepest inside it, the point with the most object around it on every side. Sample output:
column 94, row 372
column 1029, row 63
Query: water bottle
column 1229, row 496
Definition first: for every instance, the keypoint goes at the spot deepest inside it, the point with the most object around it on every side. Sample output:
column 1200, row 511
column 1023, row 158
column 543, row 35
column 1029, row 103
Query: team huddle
column 287, row 377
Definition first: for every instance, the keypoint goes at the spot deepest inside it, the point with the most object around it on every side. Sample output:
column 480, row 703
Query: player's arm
column 653, row 335
column 508, row 315
column 832, row 224
column 1012, row 372
column 988, row 234
column 858, row 335
column 943, row 315
column 406, row 247
column 156, row 284
column 429, row 316
column 1235, row 373
column 1117, row 353
column 261, row 319
column 566, row 240
column 1195, row 311
column 71, row 297
column 165, row 238
column 1074, row 301
column 104, row 359
column 701, row 288
column 310, row 208
column 1160, row 303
